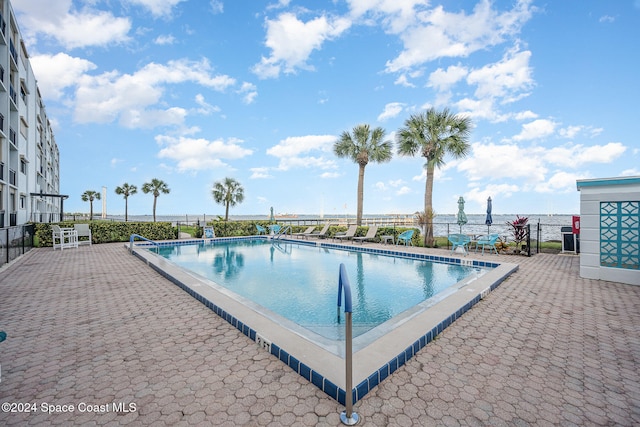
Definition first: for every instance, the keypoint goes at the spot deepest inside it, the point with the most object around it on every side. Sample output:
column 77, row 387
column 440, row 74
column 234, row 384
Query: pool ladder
column 348, row 417
column 282, row 232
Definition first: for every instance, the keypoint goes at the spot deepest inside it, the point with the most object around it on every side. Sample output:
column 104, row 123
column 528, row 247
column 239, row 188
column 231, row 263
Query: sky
column 194, row 91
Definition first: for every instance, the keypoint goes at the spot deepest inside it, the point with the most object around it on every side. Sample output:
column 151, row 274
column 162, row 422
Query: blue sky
column 191, row 92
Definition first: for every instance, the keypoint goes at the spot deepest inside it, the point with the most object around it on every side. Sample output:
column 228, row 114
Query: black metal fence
column 15, row 241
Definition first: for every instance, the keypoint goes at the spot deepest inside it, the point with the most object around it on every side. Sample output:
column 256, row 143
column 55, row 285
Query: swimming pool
column 377, row 353
column 299, row 281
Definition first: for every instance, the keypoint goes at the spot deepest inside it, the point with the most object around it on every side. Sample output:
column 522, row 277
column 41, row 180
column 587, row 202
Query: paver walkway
column 95, row 328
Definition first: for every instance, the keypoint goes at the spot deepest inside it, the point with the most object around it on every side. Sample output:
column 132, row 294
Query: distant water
column 549, row 225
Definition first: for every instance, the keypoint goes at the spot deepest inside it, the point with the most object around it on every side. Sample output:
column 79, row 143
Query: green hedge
column 107, row 232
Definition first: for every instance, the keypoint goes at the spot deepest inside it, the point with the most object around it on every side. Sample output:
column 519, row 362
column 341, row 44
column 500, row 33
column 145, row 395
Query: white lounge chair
column 306, row 233
column 371, row 234
column 83, row 230
column 351, row 231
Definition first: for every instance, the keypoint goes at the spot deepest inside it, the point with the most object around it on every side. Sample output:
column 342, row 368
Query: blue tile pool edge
column 316, row 378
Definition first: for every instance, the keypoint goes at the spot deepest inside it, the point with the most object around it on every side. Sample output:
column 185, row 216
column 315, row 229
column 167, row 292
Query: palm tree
column 156, row 186
column 362, row 146
column 126, row 190
column 228, row 192
column 90, row 196
column 434, row 134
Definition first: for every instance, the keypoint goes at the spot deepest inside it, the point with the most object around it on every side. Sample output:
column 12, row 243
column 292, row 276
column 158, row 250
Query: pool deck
column 96, row 326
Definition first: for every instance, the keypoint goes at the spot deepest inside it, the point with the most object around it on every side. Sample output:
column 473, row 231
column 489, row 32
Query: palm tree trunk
column 90, row 210
column 226, row 212
column 428, row 206
column 126, row 209
column 360, row 195
column 155, row 199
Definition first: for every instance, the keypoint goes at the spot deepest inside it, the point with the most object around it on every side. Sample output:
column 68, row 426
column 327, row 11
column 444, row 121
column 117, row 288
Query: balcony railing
column 12, row 136
column 12, row 49
column 12, row 177
column 13, row 95
column 1, row 178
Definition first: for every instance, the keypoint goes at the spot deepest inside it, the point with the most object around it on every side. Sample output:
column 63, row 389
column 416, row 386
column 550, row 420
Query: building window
column 23, row 202
column 23, row 166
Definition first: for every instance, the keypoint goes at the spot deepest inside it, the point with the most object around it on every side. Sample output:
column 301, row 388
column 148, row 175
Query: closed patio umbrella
column 462, row 218
column 489, row 219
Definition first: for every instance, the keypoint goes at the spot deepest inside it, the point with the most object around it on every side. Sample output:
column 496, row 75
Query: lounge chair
column 306, row 233
column 405, row 238
column 459, row 241
column 349, row 234
column 489, row 241
column 209, row 233
column 63, row 237
column 83, row 230
column 371, row 234
column 322, row 233
column 261, row 229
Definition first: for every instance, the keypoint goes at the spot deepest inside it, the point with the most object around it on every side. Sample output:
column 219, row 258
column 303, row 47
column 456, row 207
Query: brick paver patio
column 96, row 328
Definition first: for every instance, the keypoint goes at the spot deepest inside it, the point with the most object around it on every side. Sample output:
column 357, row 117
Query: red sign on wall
column 575, row 224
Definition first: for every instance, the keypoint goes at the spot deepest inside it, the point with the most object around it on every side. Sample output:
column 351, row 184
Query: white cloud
column 249, row 92
column 193, row 154
column 260, row 173
column 157, row 7
column 630, row 172
column 217, row 6
column 104, row 98
column 483, row 28
column 391, row 110
column 404, row 190
column 58, row 72
column 578, row 155
column 510, row 79
column 442, row 80
column 292, row 41
column 536, row 129
column 330, row 175
column 293, row 152
column 164, row 40
column 560, row 182
column 205, row 108
column 72, row 28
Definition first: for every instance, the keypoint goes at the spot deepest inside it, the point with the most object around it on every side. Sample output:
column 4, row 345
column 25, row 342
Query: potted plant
column 519, row 231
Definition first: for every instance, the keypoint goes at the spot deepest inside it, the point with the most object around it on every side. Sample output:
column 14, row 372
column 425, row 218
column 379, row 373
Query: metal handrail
column 134, row 236
column 348, row 417
column 282, row 232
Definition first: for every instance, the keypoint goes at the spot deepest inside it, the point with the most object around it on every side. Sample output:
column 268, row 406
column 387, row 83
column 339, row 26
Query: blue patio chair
column 275, row 228
column 405, row 238
column 261, row 229
column 459, row 241
column 489, row 241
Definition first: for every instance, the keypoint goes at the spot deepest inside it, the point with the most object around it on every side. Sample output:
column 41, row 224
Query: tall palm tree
column 90, row 196
column 228, row 192
column 156, row 186
column 126, row 190
column 434, row 134
column 362, row 146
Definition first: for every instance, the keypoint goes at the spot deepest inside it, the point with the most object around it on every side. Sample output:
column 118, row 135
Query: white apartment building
column 29, row 156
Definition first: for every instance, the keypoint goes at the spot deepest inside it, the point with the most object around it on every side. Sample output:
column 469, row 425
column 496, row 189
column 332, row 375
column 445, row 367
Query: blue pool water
column 299, row 281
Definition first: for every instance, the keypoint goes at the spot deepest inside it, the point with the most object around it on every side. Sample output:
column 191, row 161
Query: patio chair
column 405, row 238
column 275, row 228
column 459, row 241
column 322, row 233
column 83, row 230
column 209, row 233
column 261, row 229
column 489, row 241
column 371, row 234
column 349, row 234
column 306, row 233
column 63, row 237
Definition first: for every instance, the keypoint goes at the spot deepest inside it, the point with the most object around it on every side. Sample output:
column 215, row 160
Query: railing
column 282, row 232
column 348, row 417
column 15, row 241
column 139, row 237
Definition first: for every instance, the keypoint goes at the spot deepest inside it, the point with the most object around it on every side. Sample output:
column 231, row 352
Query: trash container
column 570, row 241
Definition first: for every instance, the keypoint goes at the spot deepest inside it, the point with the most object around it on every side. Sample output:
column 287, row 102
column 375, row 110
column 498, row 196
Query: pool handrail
column 347, row 417
column 133, row 237
column 282, row 231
